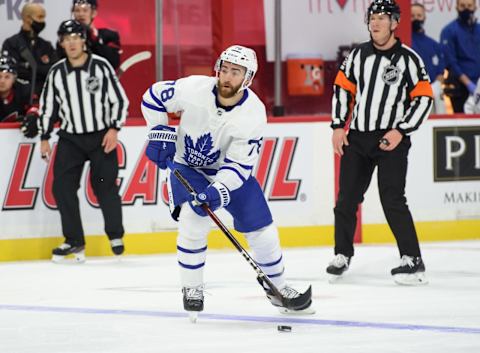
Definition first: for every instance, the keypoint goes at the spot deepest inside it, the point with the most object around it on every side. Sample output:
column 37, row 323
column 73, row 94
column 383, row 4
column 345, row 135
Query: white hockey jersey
column 222, row 143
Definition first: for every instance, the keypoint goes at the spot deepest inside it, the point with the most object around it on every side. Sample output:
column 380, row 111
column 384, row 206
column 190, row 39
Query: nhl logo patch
column 92, row 84
column 391, row 74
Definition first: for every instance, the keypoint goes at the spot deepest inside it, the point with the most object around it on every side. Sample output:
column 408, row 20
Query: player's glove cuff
column 223, row 192
column 162, row 133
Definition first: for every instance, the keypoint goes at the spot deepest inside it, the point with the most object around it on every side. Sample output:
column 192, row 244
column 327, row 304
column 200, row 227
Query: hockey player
column 15, row 102
column 101, row 41
column 215, row 148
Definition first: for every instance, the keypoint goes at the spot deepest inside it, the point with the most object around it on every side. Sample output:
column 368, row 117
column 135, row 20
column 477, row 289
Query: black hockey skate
column 304, row 306
column 338, row 266
column 410, row 272
column 193, row 301
column 117, row 246
column 63, row 251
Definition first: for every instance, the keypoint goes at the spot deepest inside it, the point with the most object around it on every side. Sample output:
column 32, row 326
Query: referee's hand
column 45, row 150
column 390, row 140
column 110, row 140
column 339, row 138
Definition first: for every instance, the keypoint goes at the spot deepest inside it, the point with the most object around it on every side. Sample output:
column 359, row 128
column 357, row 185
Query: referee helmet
column 70, row 27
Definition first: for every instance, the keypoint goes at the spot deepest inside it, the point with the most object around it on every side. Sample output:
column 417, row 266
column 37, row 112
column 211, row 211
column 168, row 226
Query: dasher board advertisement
column 295, row 170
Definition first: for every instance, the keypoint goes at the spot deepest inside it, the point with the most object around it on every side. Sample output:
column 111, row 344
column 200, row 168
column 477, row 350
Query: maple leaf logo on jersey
column 199, row 154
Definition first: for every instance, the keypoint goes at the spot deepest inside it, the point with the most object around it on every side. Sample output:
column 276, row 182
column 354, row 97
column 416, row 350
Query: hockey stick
column 28, row 56
column 297, row 303
column 134, row 59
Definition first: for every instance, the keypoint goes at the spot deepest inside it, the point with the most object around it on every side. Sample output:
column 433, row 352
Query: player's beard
column 227, row 92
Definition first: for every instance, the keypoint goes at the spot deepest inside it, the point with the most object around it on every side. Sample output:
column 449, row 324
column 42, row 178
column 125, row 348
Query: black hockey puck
column 284, row 328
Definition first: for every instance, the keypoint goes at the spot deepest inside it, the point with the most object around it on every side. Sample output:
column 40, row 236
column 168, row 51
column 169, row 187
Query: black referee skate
column 193, row 301
column 338, row 266
column 291, row 294
column 410, row 272
column 117, row 246
column 62, row 252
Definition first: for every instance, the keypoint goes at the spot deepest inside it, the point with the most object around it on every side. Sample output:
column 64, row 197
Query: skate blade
column 78, row 258
column 414, row 279
column 306, row 311
column 193, row 316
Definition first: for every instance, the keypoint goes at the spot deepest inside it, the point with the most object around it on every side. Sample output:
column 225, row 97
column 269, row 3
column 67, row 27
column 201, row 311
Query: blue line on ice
column 225, row 317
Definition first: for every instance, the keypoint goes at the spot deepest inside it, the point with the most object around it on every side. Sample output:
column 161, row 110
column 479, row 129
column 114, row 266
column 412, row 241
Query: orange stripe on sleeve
column 422, row 88
column 342, row 81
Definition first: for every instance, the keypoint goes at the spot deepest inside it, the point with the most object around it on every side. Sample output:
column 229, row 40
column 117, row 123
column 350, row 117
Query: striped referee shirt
column 87, row 99
column 381, row 90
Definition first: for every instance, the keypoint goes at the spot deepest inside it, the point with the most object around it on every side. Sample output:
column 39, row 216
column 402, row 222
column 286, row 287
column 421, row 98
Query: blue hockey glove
column 161, row 145
column 216, row 196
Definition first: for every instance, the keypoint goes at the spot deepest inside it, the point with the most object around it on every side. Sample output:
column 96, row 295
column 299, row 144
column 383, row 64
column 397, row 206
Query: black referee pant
column 72, row 153
column 356, row 168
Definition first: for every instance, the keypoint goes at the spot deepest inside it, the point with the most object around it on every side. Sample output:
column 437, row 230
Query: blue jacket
column 431, row 53
column 462, row 49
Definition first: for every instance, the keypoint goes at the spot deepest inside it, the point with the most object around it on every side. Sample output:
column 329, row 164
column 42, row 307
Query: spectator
column 102, row 41
column 15, row 103
column 83, row 91
column 33, row 54
column 461, row 41
column 431, row 53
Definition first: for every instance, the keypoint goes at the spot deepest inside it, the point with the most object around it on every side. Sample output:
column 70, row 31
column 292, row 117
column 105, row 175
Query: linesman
column 83, row 91
column 384, row 86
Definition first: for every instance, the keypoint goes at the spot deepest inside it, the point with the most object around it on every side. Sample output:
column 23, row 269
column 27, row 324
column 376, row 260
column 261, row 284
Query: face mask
column 417, row 25
column 465, row 16
column 37, row 27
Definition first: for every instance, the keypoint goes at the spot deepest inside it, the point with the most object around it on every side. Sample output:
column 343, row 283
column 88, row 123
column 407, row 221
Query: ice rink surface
column 133, row 304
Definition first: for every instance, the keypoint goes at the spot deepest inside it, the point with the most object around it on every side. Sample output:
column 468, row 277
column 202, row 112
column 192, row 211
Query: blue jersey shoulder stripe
column 155, row 98
column 153, row 107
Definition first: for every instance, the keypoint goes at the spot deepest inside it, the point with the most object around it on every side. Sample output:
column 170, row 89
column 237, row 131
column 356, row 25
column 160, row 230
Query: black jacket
column 16, row 104
column 42, row 51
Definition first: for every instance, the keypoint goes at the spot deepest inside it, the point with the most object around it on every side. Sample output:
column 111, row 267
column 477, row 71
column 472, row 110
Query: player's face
column 381, row 27
column 230, row 79
column 84, row 14
column 7, row 79
column 418, row 13
column 73, row 45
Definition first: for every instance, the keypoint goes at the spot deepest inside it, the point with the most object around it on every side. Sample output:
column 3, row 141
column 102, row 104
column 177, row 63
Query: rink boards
column 296, row 170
